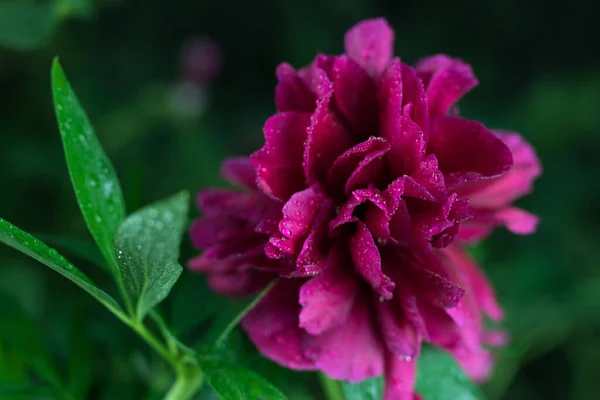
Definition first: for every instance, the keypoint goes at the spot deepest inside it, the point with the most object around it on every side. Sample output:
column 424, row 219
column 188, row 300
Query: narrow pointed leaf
column 94, row 179
column 235, row 383
column 147, row 246
column 27, row 244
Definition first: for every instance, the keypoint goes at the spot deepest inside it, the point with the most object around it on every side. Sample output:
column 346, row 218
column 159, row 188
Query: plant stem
column 331, row 387
column 189, row 380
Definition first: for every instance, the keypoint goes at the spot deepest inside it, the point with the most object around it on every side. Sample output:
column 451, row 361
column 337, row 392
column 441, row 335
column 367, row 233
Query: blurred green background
column 174, row 87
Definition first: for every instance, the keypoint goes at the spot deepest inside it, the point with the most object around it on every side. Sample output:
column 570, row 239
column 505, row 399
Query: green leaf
column 26, row 25
column 235, row 383
column 147, row 246
column 440, row 378
column 27, row 244
column 370, row 389
column 95, row 182
column 82, row 248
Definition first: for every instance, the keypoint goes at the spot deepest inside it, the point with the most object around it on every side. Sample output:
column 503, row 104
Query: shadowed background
column 174, row 87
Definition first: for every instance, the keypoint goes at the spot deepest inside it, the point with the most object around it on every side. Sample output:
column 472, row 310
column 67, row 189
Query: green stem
column 189, row 380
column 189, row 375
column 331, row 387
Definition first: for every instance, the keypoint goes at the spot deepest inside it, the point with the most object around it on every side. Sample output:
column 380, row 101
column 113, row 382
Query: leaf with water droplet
column 95, row 182
column 369, row 389
column 147, row 249
column 233, row 382
column 27, row 244
column 439, row 377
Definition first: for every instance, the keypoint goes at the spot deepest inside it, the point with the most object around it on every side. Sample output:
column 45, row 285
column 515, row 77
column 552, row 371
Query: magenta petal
column 446, row 81
column 359, row 165
column 481, row 289
column 239, row 283
column 414, row 99
column 239, row 171
column 370, row 43
column 400, row 376
column 367, row 261
column 352, row 351
column 313, row 254
column 356, row 96
column 477, row 363
column 299, row 212
column 405, row 136
column 291, row 93
column 518, row 221
column 279, row 162
column 431, row 178
column 430, row 281
column 399, row 335
column 212, row 230
column 517, row 182
column 272, row 325
column 467, row 151
column 327, row 298
column 327, row 139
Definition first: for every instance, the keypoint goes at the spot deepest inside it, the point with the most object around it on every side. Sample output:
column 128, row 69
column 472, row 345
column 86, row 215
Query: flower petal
column 370, row 43
column 312, row 257
column 352, row 351
column 327, row 137
column 355, row 96
column 405, row 136
column 327, row 298
column 479, row 285
column 367, row 261
column 399, row 335
column 239, row 171
column 272, row 325
column 400, row 376
column 518, row 181
column 446, row 80
column 414, row 99
column 279, row 162
column 239, row 283
column 518, row 221
column 291, row 93
column 467, row 151
column 359, row 166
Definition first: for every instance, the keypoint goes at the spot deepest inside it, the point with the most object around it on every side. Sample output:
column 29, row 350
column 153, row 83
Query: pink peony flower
column 359, row 201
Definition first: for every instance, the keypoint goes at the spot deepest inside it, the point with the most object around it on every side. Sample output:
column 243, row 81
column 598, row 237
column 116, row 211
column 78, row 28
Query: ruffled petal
column 467, row 151
column 279, row 162
column 446, row 80
column 400, row 376
column 405, row 136
column 239, row 171
column 272, row 325
column 355, row 96
column 327, row 298
column 516, row 220
column 517, row 182
column 350, row 352
column 370, row 43
column 327, row 137
column 399, row 335
column 291, row 93
column 359, row 166
column 367, row 261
